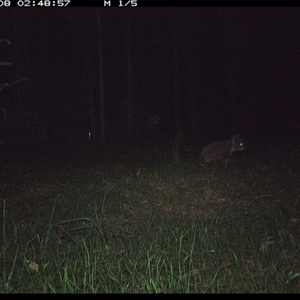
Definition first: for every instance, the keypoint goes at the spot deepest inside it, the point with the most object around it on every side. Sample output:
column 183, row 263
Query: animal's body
column 222, row 151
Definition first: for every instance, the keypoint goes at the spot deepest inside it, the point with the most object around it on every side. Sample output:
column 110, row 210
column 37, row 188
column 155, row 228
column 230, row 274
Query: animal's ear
column 235, row 137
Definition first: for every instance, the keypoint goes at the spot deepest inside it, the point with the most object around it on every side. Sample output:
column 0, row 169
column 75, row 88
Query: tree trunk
column 232, row 66
column 22, row 49
column 129, row 78
column 176, row 103
column 101, row 81
column 192, row 96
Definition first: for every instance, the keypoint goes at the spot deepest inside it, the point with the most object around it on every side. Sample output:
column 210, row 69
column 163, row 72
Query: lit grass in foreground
column 167, row 228
column 216, row 257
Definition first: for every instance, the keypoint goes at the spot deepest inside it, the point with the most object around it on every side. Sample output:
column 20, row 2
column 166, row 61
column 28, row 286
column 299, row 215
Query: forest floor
column 149, row 220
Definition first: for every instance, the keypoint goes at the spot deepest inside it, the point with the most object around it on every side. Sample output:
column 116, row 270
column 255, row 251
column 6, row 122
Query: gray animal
column 222, row 151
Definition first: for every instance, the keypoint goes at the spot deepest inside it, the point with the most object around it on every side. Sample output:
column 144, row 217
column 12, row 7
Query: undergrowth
column 169, row 226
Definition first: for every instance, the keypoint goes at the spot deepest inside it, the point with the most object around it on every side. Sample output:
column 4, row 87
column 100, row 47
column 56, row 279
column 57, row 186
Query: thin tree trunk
column 94, row 131
column 176, row 103
column 191, row 82
column 232, row 67
column 22, row 50
column 129, row 78
column 101, row 81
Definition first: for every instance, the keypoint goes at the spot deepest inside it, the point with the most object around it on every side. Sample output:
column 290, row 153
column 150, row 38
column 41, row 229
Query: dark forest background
column 123, row 74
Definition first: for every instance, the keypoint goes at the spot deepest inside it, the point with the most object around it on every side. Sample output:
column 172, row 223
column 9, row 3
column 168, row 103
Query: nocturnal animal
column 222, row 151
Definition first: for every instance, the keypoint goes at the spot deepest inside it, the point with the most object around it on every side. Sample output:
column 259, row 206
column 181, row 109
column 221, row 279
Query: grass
column 161, row 225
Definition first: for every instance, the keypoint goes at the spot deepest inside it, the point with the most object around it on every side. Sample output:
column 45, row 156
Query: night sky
column 237, row 69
